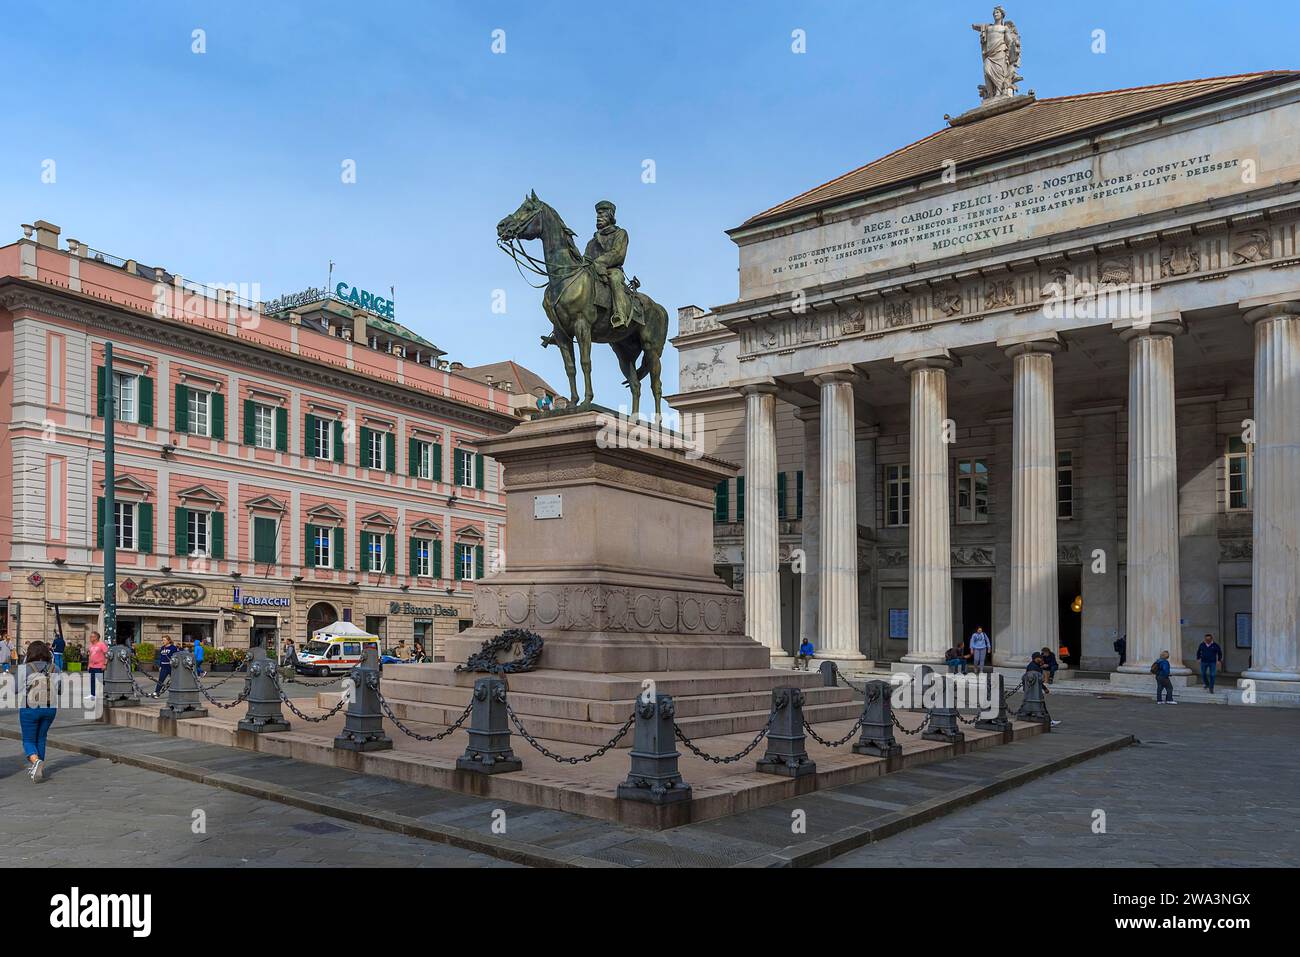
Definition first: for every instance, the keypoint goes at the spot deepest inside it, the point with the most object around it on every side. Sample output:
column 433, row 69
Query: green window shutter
column 309, row 547
column 412, row 457
column 456, row 562
column 250, row 432
column 336, row 546
column 478, row 561
column 363, row 459
column 798, row 495
column 217, row 535
column 338, row 440
column 740, row 498
column 435, row 546
column 362, row 541
column 309, row 436
column 99, row 522
column 390, row 452
column 182, row 409
column 100, row 390
column 437, row 461
column 721, row 505
column 478, row 471
column 390, row 554
column 264, row 541
column 457, row 469
column 282, row 430
column 144, row 528
column 412, row 557
column 780, row 496
column 217, row 425
column 181, row 532
column 144, row 390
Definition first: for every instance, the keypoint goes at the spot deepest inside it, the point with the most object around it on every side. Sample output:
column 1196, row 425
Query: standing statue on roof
column 1000, row 44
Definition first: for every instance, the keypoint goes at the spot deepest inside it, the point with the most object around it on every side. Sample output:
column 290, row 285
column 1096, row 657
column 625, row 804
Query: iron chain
column 306, row 717
column 562, row 759
column 454, row 726
column 832, row 744
column 727, row 759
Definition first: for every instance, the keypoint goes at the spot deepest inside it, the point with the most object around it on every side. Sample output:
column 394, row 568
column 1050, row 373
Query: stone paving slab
column 836, row 820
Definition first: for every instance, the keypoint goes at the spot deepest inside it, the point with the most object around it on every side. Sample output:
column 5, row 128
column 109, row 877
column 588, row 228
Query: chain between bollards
column 453, row 727
column 727, row 759
column 560, row 758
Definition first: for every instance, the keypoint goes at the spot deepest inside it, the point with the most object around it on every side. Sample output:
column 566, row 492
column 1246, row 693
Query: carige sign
column 365, row 300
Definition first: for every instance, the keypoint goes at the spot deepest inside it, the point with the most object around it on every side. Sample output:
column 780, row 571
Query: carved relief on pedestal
column 893, row 557
column 998, row 294
column 1251, row 247
column 972, row 555
column 1180, row 260
column 898, row 312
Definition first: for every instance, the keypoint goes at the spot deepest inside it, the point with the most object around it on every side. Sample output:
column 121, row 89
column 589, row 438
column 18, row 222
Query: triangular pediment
column 469, row 531
column 199, row 495
column 426, row 527
column 379, row 518
column 126, row 484
column 325, row 513
column 267, row 503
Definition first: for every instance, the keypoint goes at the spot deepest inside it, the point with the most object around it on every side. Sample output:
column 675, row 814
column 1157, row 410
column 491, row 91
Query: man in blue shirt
column 1161, row 670
column 165, row 654
column 1209, row 654
column 57, row 647
column 805, row 654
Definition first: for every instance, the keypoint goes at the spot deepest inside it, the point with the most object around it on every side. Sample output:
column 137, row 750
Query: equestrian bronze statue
column 586, row 297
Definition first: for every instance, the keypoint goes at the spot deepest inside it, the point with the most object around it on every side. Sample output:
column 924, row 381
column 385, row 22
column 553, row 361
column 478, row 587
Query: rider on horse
column 606, row 252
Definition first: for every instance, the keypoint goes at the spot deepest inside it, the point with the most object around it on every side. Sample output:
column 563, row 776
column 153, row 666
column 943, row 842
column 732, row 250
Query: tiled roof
column 521, row 380
column 1017, row 130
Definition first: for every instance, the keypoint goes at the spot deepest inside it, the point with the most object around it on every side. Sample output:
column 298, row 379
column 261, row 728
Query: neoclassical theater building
column 1037, row 372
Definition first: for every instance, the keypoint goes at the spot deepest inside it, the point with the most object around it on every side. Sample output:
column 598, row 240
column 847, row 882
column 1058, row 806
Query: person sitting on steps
column 806, row 654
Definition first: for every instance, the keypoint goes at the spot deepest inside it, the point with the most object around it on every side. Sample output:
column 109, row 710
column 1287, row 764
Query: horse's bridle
column 514, row 248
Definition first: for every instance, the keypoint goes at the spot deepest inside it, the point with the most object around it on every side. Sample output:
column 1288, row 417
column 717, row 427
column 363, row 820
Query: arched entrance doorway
column 319, row 615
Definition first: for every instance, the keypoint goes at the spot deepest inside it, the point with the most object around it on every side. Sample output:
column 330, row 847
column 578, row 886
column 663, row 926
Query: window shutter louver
column 217, row 422
column 413, row 457
column 390, row 453
column 99, row 523
column 478, row 561
column 217, row 536
column 182, row 410
column 390, row 554
column 337, row 548
column 100, row 390
column 309, row 547
column 435, row 547
column 181, row 534
column 144, row 528
column 309, row 448
column 338, row 440
column 144, row 386
column 363, row 459
column 282, row 430
column 478, row 471
column 250, row 424
column 437, row 461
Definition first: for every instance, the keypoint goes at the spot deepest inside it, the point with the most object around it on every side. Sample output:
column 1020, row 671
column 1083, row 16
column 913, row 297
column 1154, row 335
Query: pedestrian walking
column 979, row 647
column 96, row 659
column 198, row 658
column 1210, row 655
column 57, row 647
column 1160, row 668
column 165, row 653
column 6, row 652
column 37, row 709
column 1121, row 649
column 289, row 664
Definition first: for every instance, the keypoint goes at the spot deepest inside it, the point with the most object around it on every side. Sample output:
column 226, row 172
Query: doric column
column 809, row 581
column 1034, row 601
column 839, row 519
column 1153, row 607
column 929, row 557
column 1275, row 495
column 762, row 568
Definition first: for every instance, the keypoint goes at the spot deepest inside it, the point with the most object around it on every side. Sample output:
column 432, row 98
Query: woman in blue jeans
column 37, row 708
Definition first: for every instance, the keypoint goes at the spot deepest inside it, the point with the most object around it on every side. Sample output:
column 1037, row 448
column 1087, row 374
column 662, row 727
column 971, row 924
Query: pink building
column 278, row 467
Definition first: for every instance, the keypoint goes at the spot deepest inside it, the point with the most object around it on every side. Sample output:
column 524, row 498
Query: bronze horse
column 577, row 303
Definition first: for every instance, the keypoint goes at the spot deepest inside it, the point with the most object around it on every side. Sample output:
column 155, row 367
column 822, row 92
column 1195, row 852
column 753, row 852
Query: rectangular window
column 465, row 562
column 374, row 552
column 465, row 476
column 124, row 516
column 898, row 495
column 265, row 551
column 324, row 439
column 423, row 562
column 423, row 459
column 1240, row 464
column 264, row 426
column 375, row 450
column 323, row 553
column 972, row 491
column 1065, row 484
column 200, row 407
column 199, row 525
column 125, row 408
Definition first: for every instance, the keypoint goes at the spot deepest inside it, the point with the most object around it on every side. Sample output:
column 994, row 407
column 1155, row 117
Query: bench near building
column 280, row 466
column 1039, row 372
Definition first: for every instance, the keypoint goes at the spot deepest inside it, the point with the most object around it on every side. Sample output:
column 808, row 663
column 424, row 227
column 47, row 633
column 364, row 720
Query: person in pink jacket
column 96, row 658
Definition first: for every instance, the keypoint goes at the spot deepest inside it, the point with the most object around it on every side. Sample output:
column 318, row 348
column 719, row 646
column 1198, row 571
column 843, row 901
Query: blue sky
column 225, row 166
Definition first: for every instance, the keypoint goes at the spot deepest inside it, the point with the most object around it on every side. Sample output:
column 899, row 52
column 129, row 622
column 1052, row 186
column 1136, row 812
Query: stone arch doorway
column 319, row 615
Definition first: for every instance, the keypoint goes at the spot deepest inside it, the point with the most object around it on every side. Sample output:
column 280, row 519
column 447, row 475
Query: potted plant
column 219, row 659
column 146, row 652
column 72, row 653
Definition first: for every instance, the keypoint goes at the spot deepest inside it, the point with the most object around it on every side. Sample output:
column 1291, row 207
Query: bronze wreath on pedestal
column 485, row 659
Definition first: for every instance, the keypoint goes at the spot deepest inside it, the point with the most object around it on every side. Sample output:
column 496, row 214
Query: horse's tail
column 660, row 335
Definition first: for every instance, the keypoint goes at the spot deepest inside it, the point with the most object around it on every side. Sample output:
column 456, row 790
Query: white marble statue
column 1000, row 44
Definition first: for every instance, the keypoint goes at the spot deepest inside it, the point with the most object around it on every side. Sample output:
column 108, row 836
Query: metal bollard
column 263, row 712
column 942, row 725
column 787, row 749
column 653, row 777
column 489, row 750
column 119, row 689
column 1034, row 707
column 878, row 723
column 829, row 670
column 993, row 682
column 183, row 698
column 363, row 727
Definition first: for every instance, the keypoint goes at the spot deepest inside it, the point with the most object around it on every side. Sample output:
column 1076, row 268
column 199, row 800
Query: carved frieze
column 972, row 555
column 1069, row 554
column 1181, row 259
column 898, row 312
column 1251, row 247
column 555, row 607
column 893, row 557
column 1236, row 550
column 1115, row 272
column 947, row 301
column 999, row 294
